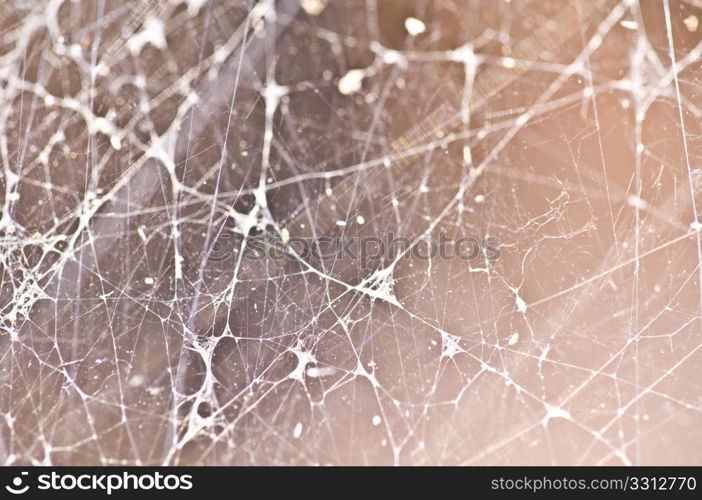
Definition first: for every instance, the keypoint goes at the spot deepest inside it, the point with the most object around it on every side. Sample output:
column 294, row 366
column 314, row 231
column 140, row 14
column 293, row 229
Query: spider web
column 155, row 152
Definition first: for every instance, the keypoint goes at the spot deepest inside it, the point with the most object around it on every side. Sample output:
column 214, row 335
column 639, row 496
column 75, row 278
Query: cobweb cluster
column 146, row 145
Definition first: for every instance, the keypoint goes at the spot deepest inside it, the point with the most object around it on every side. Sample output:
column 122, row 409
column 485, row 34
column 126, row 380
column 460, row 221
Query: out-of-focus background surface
column 149, row 147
